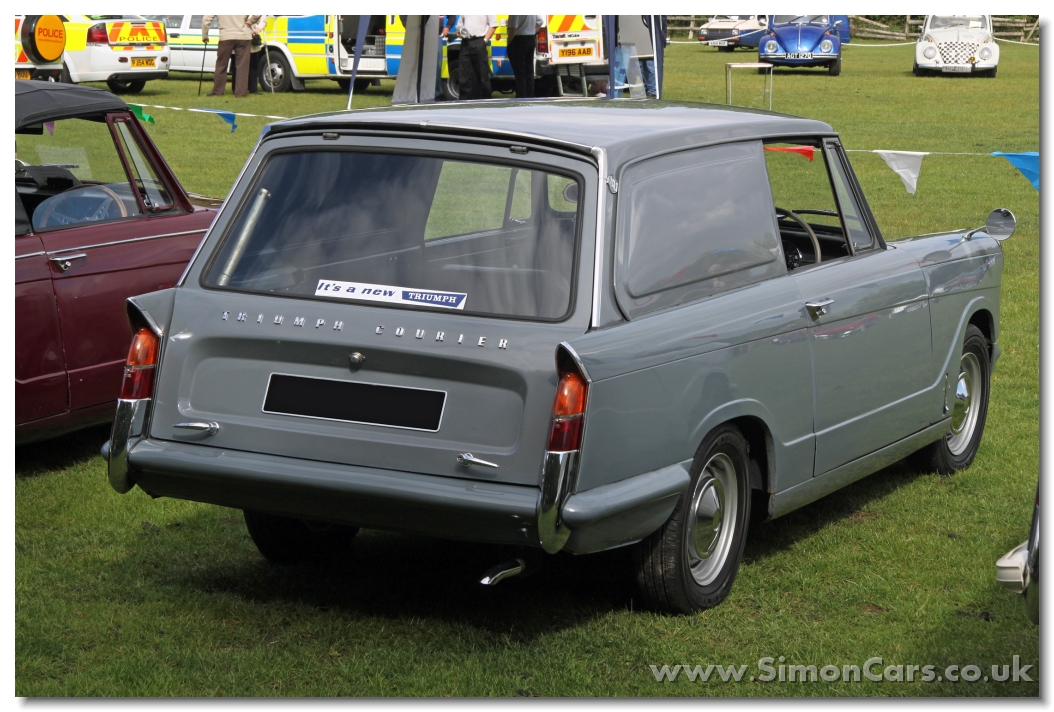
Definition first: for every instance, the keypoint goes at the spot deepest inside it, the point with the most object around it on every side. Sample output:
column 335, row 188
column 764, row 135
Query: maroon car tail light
column 97, row 35
column 565, row 430
column 141, row 366
column 543, row 41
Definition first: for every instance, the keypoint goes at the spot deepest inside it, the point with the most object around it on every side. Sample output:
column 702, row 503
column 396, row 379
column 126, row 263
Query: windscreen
column 800, row 19
column 408, row 231
column 944, row 22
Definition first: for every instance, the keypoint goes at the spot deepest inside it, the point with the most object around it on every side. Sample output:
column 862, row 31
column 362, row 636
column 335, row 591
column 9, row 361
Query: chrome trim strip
column 598, row 251
column 811, row 490
column 219, row 213
column 559, row 478
column 122, row 242
column 31, row 254
column 577, row 359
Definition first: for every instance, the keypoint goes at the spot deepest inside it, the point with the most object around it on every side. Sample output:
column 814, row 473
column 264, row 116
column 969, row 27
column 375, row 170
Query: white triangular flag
column 905, row 164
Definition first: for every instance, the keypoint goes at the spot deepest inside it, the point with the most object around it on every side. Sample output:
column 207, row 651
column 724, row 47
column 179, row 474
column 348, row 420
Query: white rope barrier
column 929, row 153
column 1027, row 44
column 895, row 44
column 184, row 108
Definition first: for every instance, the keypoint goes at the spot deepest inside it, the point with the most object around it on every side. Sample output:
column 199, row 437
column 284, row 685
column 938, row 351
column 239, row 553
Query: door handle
column 467, row 458
column 64, row 262
column 173, row 34
column 818, row 307
column 208, row 428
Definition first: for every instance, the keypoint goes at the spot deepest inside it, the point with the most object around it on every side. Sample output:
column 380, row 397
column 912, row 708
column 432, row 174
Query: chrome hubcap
column 712, row 518
column 275, row 74
column 965, row 405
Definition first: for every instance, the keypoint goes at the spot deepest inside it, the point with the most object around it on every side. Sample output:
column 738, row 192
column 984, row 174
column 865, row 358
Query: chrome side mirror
column 837, row 23
column 1001, row 224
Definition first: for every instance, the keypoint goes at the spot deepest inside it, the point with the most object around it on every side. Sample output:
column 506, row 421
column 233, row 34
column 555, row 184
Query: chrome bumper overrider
column 559, row 478
column 127, row 428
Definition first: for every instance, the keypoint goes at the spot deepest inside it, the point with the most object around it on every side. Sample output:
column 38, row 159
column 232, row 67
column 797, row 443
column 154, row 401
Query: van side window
column 693, row 224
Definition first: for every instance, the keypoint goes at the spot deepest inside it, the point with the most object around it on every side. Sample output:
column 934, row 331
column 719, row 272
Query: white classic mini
column 957, row 44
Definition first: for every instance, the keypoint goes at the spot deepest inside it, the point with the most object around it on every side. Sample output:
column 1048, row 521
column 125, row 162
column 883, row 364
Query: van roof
column 624, row 128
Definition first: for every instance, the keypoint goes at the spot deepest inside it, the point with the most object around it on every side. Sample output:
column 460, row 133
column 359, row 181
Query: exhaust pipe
column 507, row 569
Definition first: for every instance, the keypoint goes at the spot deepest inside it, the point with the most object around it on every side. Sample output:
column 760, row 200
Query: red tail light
column 543, row 40
column 140, row 366
column 565, row 431
column 97, row 35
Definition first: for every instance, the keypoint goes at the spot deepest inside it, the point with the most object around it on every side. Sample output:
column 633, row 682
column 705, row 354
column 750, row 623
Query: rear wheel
column 835, row 67
column 286, row 540
column 126, row 86
column 449, row 87
column 275, row 72
column 360, row 84
column 726, row 49
column 969, row 395
column 689, row 564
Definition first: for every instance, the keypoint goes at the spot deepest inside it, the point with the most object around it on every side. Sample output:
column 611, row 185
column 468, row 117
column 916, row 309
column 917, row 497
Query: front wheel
column 969, row 410
column 915, row 69
column 689, row 564
column 126, row 86
column 835, row 67
column 286, row 540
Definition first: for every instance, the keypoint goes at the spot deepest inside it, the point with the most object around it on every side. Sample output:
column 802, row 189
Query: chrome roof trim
column 598, row 251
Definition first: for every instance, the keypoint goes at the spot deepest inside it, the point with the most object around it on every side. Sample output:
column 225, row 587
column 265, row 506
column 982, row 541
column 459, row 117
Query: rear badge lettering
column 380, row 329
column 390, row 294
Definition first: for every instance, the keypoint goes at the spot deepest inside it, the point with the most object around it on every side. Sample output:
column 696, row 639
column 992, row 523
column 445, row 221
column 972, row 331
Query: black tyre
column 285, row 540
column 64, row 75
column 915, row 69
column 969, row 396
column 126, row 86
column 689, row 564
column 991, row 73
column 448, row 87
column 361, row 85
column 276, row 72
column 726, row 49
column 835, row 67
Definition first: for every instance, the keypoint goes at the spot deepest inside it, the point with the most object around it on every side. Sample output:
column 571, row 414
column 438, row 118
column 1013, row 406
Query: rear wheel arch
column 983, row 320
column 759, row 438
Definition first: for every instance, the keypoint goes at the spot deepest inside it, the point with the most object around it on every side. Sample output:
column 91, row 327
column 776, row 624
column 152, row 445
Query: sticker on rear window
column 390, row 294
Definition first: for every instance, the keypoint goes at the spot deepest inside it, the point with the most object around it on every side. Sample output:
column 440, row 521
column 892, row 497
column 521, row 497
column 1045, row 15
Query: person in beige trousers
column 235, row 38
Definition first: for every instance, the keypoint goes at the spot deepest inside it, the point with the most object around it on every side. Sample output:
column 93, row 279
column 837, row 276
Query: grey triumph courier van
column 567, row 325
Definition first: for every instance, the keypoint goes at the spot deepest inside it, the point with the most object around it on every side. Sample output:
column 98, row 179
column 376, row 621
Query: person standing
column 256, row 54
column 235, row 39
column 523, row 38
column 473, row 65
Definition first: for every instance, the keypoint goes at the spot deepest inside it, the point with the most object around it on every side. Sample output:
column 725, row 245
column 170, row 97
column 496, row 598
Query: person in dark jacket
column 523, row 38
column 473, row 66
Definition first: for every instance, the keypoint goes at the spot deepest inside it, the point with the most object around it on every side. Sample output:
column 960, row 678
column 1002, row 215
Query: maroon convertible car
column 99, row 217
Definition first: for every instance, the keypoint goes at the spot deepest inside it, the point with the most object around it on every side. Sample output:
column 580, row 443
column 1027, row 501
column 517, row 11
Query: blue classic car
column 562, row 326
column 805, row 41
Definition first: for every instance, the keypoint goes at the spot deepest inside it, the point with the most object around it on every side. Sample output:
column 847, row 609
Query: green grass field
column 125, row 595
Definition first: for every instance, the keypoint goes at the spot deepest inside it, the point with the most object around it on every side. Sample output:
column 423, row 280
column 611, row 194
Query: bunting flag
column 906, row 164
column 1027, row 163
column 50, row 126
column 807, row 151
column 227, row 116
column 137, row 109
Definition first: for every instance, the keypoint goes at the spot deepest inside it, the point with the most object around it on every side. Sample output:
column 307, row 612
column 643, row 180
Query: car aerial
column 1018, row 569
column 99, row 217
column 726, row 32
column 125, row 51
column 506, row 322
column 803, row 41
column 956, row 44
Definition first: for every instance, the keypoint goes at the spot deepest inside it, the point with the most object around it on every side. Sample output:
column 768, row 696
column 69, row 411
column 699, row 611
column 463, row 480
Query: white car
column 125, row 51
column 726, row 32
column 957, row 44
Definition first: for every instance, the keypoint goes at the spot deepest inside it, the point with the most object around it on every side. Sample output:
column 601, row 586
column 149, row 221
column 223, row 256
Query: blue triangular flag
column 227, row 116
column 1026, row 162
